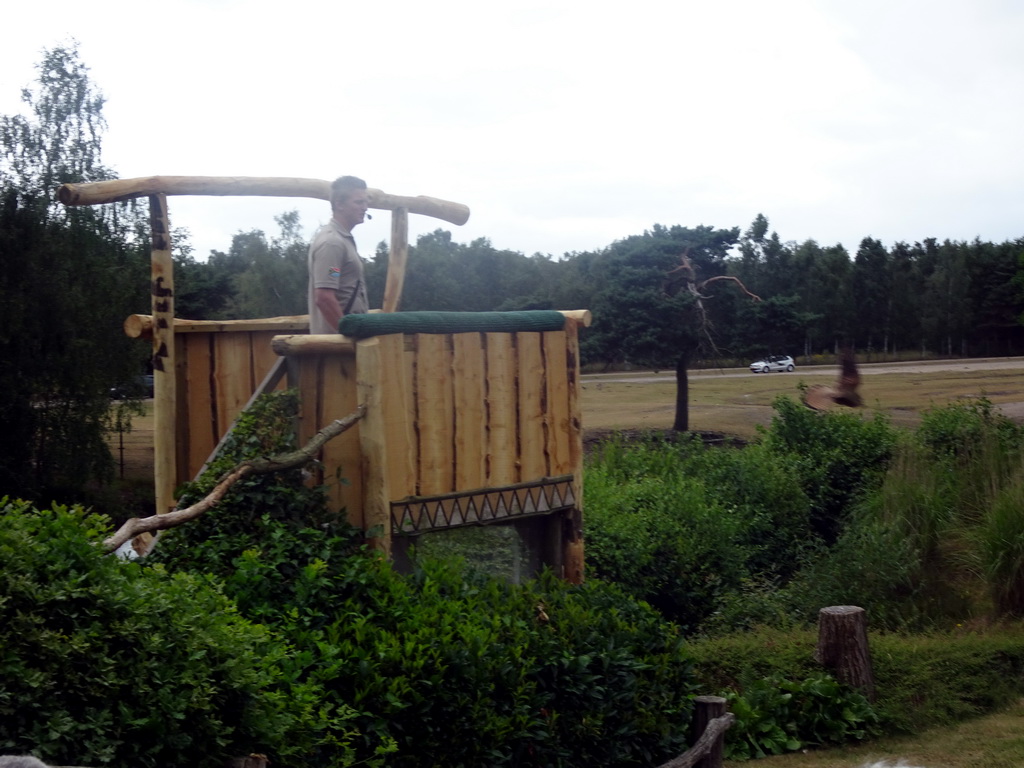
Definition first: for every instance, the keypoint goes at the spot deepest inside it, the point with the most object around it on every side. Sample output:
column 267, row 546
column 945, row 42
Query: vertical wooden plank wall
column 457, row 412
column 533, row 410
column 327, row 391
column 483, row 410
column 342, row 457
column 501, row 409
column 468, row 402
column 434, row 418
column 572, row 552
column 217, row 372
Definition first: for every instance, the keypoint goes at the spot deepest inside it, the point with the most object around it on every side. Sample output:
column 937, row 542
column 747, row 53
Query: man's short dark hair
column 343, row 186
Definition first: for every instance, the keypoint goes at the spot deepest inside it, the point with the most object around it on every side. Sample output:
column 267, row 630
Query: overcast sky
column 566, row 125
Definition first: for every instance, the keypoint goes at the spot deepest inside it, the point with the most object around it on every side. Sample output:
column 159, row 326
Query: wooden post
column 707, row 708
column 164, row 389
column 397, row 257
column 843, row 647
column 572, row 536
column 373, row 439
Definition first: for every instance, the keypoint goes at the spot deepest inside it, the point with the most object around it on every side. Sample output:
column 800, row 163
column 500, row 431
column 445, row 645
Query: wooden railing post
column 710, row 722
column 707, row 709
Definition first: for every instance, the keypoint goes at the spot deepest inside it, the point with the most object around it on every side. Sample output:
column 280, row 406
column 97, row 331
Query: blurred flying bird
column 821, row 397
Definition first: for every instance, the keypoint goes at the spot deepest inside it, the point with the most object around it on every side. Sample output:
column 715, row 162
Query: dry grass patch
column 736, row 403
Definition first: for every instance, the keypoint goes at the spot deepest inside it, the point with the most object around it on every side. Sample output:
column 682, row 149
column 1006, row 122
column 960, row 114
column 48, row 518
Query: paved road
column 974, row 364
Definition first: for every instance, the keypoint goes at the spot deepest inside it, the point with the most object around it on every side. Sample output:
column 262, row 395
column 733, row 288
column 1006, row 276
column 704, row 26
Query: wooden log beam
column 313, row 344
column 116, row 190
column 141, row 326
column 398, row 255
column 582, row 317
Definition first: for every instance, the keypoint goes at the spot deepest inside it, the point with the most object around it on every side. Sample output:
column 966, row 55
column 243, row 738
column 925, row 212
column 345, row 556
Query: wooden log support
column 385, row 436
column 398, row 255
column 572, row 524
column 163, row 359
column 843, row 647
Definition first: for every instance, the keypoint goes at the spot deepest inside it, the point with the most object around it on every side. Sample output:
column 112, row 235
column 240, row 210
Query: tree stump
column 843, row 647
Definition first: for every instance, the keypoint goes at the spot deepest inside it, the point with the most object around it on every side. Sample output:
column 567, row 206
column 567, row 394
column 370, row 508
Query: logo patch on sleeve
column 334, row 272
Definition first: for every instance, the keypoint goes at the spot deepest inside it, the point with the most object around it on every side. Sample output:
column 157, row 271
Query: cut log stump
column 843, row 647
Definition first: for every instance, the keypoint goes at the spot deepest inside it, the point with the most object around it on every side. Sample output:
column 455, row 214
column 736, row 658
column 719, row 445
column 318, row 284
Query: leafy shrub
column 940, row 539
column 692, row 530
column 921, row 681
column 961, row 428
column 837, row 457
column 870, row 566
column 762, row 490
column 461, row 669
column 775, row 715
column 107, row 662
column 268, row 527
column 265, row 429
column 659, row 534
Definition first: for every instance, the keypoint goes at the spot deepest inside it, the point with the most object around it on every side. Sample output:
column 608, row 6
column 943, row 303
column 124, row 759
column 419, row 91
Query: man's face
column 352, row 210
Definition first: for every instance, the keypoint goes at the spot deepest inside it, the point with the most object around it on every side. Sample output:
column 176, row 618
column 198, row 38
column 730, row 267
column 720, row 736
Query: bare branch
column 176, row 517
column 735, row 280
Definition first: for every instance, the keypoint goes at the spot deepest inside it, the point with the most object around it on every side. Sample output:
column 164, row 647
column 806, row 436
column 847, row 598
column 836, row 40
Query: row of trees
column 68, row 277
column 947, row 299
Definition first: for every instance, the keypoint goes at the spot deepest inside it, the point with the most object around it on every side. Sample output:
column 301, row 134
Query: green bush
column 961, row 428
column 763, row 491
column 837, row 456
column 871, row 566
column 461, row 669
column 775, row 715
column 107, row 662
column 660, row 534
column 692, row 530
column 1000, row 537
column 921, row 681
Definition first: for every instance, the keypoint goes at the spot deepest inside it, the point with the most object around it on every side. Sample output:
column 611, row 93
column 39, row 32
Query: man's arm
column 327, row 303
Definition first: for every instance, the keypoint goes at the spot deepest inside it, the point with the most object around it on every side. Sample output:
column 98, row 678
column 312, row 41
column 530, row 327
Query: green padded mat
column 382, row 323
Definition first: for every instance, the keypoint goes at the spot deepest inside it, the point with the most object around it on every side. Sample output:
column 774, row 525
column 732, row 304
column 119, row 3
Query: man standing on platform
column 336, row 283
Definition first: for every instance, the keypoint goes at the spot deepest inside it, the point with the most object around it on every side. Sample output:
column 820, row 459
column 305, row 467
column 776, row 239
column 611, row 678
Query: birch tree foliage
column 68, row 278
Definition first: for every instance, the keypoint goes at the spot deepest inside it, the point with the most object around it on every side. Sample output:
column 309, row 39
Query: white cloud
column 565, row 125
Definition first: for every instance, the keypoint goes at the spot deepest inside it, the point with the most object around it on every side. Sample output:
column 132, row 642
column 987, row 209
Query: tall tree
column 870, row 282
column 649, row 308
column 272, row 280
column 68, row 278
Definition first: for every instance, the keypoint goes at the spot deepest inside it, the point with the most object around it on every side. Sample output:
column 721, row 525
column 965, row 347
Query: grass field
column 735, row 403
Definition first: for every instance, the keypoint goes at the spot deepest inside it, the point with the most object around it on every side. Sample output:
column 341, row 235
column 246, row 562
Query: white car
column 773, row 363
